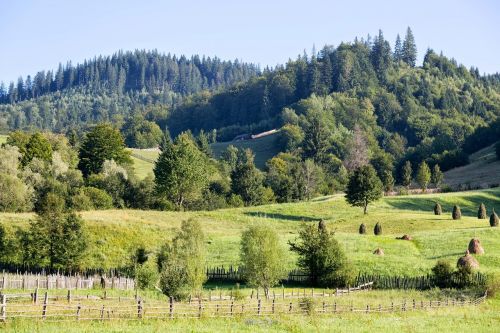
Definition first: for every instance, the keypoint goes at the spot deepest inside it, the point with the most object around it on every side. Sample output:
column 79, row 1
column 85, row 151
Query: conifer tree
column 437, row 176
column 406, row 175
column 423, row 175
column 398, row 52
column 409, row 48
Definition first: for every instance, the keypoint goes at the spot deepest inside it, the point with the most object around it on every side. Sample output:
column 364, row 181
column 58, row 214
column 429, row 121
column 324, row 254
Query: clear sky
column 39, row 34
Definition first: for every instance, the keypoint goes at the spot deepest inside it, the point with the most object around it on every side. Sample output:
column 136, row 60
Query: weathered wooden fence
column 55, row 281
column 232, row 274
column 141, row 309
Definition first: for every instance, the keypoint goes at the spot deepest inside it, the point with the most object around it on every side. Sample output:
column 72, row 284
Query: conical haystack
column 475, row 246
column 379, row 252
column 467, row 260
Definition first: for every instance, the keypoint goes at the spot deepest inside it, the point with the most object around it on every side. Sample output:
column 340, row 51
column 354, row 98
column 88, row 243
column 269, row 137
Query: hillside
column 263, row 148
column 483, row 171
column 114, row 234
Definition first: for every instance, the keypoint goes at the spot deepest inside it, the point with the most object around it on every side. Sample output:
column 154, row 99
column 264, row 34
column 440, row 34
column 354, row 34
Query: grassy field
column 482, row 318
column 483, row 171
column 115, row 233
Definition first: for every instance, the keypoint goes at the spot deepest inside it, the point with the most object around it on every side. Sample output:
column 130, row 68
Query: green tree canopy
column 102, row 143
column 423, row 175
column 181, row 171
column 364, row 187
column 182, row 262
column 261, row 257
column 322, row 257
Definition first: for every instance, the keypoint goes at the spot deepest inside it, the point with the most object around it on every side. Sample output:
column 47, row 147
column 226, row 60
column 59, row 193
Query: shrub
column 456, row 214
column 378, row 229
column 307, row 305
column 146, row 276
column 438, row 210
column 481, row 213
column 494, row 219
column 99, row 198
column 81, row 202
column 182, row 262
column 442, row 274
column 493, row 286
column 322, row 257
column 362, row 229
column 235, row 200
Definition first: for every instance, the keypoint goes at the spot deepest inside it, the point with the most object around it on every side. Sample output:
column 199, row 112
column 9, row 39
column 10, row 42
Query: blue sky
column 38, row 35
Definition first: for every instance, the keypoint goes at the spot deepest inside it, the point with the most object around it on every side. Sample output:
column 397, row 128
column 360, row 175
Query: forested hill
column 47, row 99
column 401, row 107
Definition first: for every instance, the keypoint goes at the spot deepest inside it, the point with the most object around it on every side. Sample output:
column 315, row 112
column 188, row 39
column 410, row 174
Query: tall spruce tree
column 398, row 50
column 409, row 49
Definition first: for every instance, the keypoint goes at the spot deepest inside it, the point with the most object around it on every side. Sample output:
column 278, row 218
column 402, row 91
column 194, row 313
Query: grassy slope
column 114, row 233
column 264, row 148
column 483, row 171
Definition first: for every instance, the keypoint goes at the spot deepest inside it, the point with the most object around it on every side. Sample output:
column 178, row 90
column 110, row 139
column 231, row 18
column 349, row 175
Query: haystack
column 379, row 252
column 405, row 237
column 475, row 246
column 467, row 261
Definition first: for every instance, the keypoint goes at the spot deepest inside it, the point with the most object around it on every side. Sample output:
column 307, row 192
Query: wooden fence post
column 232, row 306
column 171, row 310
column 324, row 307
column 199, row 307
column 4, row 308
column 273, row 306
column 139, row 308
column 258, row 306
column 35, row 296
column 4, row 281
column 69, row 295
column 45, row 305
column 78, row 309
column 102, row 312
column 335, row 307
column 367, row 308
column 290, row 307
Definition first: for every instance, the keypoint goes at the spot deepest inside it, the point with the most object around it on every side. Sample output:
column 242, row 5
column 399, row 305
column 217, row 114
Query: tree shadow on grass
column 279, row 216
column 456, row 254
column 468, row 204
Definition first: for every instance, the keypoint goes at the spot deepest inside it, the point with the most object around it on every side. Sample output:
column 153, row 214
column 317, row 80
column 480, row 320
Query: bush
column 146, row 276
column 442, row 274
column 99, row 198
column 81, row 202
column 481, row 213
column 235, row 200
column 362, row 229
column 438, row 210
column 493, row 286
column 494, row 219
column 182, row 262
column 322, row 257
column 456, row 214
column 307, row 305
column 378, row 229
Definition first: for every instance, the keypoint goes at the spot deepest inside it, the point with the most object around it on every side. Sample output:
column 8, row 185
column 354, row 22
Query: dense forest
column 110, row 88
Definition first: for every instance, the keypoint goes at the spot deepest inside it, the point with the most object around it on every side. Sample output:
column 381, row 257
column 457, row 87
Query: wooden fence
column 141, row 309
column 236, row 275
column 54, row 281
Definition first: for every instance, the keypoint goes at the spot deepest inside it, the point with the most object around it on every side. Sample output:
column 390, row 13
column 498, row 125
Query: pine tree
column 409, row 49
column 398, row 51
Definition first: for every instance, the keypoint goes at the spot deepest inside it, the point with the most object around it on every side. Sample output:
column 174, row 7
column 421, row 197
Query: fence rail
column 55, row 281
column 140, row 309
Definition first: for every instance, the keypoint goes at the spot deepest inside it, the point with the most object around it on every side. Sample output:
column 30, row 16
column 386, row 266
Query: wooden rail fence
column 55, row 281
column 140, row 309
